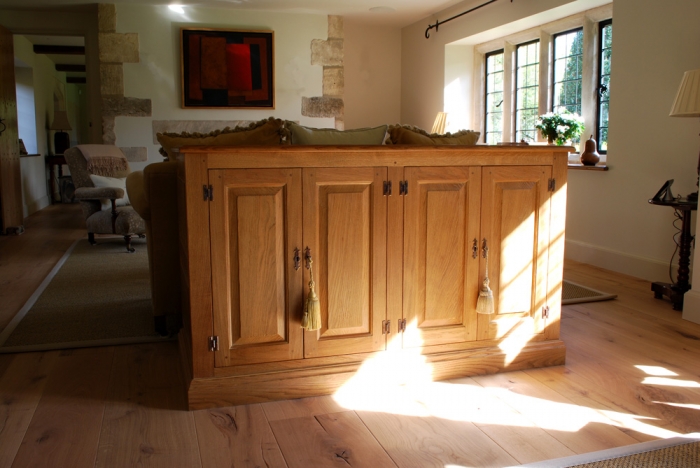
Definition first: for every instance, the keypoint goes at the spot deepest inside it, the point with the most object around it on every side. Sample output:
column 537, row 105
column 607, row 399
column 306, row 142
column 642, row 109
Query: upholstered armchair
column 99, row 177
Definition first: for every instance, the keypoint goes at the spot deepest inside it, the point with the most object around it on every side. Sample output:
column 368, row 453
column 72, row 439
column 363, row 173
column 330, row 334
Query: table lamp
column 61, row 139
column 687, row 104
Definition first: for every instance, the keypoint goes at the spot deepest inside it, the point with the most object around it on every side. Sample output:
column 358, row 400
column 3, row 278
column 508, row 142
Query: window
column 527, row 90
column 493, row 132
column 560, row 66
column 604, row 59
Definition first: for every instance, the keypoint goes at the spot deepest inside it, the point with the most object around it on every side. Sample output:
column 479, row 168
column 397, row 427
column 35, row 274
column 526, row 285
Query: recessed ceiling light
column 177, row 8
column 382, row 9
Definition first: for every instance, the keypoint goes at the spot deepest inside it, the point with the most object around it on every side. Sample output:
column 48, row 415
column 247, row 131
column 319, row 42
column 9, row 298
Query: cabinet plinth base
column 301, row 383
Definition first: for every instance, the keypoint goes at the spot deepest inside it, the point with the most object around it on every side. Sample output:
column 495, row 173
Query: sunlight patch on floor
column 662, row 381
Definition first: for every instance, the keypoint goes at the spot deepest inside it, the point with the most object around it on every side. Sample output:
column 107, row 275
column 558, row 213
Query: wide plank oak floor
column 632, row 375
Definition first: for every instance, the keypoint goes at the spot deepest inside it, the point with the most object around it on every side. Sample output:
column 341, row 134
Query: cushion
column 409, row 135
column 263, row 133
column 301, row 135
column 102, row 181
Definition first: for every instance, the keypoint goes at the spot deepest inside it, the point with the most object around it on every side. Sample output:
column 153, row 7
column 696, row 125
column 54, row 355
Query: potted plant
column 559, row 128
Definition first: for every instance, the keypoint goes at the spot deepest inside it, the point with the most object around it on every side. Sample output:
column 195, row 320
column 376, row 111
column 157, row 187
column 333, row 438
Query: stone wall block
column 119, row 48
column 135, row 153
column 327, row 53
column 112, row 79
column 339, row 123
column 107, row 17
column 108, row 135
column 113, row 106
column 322, row 107
column 335, row 27
column 333, row 81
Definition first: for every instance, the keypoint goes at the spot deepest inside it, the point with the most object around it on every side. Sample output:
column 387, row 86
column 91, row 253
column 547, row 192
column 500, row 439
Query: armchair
column 122, row 220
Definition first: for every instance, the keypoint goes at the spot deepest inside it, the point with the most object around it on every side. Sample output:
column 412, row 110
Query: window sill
column 575, row 163
column 581, row 167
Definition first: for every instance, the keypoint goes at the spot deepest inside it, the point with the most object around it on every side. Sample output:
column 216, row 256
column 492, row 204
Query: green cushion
column 328, row 136
column 267, row 132
column 408, row 135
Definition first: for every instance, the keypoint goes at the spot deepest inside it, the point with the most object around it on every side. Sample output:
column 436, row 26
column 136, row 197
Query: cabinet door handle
column 307, row 257
column 484, row 248
column 475, row 248
column 297, row 259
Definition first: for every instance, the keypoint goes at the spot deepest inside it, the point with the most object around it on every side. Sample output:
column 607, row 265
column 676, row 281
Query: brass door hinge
column 545, row 312
column 551, row 185
column 402, row 325
column 386, row 327
column 208, row 192
column 403, row 187
column 213, row 343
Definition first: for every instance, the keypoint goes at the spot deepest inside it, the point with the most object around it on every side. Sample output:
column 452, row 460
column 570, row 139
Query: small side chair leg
column 129, row 248
column 91, row 238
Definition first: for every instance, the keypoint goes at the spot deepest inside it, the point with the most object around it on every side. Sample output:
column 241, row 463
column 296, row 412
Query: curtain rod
column 438, row 22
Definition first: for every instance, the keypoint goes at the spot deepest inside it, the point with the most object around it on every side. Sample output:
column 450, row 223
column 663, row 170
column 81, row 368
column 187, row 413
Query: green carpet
column 95, row 296
column 573, row 293
column 677, row 452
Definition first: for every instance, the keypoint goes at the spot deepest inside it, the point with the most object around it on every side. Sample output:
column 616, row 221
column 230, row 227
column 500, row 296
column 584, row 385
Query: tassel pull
column 484, row 304
column 311, row 320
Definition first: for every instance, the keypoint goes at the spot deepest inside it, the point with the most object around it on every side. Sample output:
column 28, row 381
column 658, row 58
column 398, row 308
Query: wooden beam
column 65, row 67
column 76, row 79
column 59, row 50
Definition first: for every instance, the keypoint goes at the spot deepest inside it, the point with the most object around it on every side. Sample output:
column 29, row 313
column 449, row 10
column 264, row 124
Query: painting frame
column 227, row 68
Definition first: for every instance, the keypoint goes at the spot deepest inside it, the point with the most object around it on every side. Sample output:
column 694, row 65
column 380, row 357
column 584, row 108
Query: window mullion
column 508, row 91
column 589, row 83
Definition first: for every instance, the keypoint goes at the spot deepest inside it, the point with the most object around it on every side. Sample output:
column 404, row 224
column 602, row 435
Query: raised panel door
column 515, row 216
column 255, row 228
column 441, row 225
column 345, row 231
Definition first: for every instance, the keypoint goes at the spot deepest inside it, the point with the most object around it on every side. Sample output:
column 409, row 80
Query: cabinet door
column 345, row 229
column 515, row 214
column 255, row 227
column 441, row 224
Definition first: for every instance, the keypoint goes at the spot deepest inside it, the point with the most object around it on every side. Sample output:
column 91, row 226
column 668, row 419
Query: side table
column 55, row 160
column 676, row 291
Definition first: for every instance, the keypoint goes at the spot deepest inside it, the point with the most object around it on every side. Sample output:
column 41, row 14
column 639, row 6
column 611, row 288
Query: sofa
column 157, row 190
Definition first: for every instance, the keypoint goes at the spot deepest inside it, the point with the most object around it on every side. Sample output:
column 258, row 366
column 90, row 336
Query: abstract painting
column 224, row 68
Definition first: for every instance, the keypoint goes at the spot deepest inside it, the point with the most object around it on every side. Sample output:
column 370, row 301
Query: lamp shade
column 439, row 125
column 687, row 103
column 60, row 121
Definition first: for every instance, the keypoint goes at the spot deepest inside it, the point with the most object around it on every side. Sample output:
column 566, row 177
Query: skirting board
column 632, row 265
column 36, row 205
column 691, row 306
column 315, row 381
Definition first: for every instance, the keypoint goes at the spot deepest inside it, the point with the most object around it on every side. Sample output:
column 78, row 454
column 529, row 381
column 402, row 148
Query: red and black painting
column 224, row 68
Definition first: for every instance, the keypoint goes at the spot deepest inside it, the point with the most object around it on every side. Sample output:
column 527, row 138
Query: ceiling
column 61, row 59
column 397, row 13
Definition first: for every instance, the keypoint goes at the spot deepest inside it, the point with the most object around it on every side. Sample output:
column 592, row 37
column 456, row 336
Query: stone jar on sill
column 590, row 156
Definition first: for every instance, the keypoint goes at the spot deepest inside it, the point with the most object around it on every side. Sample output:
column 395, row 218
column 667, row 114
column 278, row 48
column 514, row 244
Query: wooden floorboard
column 145, row 423
column 632, row 374
column 65, row 427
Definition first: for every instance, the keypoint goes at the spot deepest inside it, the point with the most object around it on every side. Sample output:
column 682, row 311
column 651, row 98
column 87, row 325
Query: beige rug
column 573, row 293
column 677, row 452
column 95, row 296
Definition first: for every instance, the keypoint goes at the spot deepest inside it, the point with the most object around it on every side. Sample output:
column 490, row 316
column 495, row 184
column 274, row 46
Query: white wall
column 423, row 66
column 43, row 78
column 157, row 76
column 372, row 75
column 26, row 113
column 609, row 222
